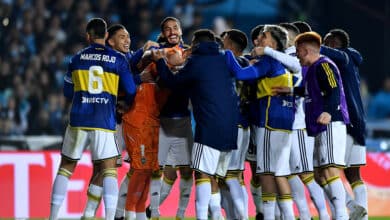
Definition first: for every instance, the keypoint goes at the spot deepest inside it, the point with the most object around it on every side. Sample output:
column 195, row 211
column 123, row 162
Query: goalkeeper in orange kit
column 141, row 133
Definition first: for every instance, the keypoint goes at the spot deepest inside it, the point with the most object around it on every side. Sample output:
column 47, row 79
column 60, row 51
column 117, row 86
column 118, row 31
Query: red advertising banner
column 26, row 179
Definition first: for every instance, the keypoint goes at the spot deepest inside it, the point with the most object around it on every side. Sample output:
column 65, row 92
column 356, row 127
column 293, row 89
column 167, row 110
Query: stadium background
column 37, row 38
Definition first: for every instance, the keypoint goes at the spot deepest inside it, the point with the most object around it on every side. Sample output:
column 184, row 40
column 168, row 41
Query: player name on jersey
column 99, row 57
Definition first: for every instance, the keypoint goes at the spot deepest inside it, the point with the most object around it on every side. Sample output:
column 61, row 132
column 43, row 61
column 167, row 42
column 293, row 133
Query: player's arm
column 336, row 55
column 137, row 55
column 172, row 80
column 330, row 90
column 137, row 79
column 146, row 55
column 126, row 81
column 291, row 62
column 255, row 71
column 134, row 59
column 68, row 89
column 285, row 90
column 356, row 56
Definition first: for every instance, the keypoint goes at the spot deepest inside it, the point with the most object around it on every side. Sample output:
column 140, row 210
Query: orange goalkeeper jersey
column 141, row 126
column 141, row 122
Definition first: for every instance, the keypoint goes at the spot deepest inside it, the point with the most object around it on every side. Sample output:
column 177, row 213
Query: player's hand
column 157, row 54
column 150, row 44
column 175, row 58
column 324, row 118
column 257, row 51
column 281, row 90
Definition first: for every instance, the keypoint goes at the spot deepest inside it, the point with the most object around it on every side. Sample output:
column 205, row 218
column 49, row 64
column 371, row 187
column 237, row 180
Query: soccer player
column 273, row 129
column 326, row 116
column 175, row 137
column 92, row 81
column 255, row 184
column 236, row 41
column 301, row 158
column 118, row 39
column 214, row 102
column 348, row 60
column 315, row 192
column 141, row 131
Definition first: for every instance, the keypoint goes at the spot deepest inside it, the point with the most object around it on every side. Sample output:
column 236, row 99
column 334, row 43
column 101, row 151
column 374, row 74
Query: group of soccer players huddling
column 291, row 108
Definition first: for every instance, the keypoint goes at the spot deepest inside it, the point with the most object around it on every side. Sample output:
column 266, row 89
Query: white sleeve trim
column 291, row 62
column 68, row 79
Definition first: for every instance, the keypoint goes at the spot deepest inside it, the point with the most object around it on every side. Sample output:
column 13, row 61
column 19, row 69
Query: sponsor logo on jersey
column 94, row 100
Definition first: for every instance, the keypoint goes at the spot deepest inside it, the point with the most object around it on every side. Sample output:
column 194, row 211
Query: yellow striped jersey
column 94, row 76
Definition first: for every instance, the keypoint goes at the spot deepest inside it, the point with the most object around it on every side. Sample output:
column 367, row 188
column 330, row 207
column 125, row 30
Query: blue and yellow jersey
column 275, row 112
column 94, row 76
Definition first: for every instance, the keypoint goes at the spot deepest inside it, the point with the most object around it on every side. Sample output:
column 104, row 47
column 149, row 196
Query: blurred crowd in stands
column 38, row 37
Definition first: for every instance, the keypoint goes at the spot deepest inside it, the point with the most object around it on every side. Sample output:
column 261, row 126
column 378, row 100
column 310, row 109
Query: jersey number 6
column 95, row 81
